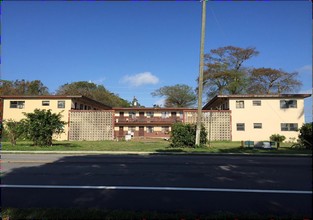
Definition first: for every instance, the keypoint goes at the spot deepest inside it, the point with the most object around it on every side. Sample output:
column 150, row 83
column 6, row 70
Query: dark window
column 150, row 129
column 132, row 115
column 45, row 103
column 256, row 102
column 150, row 114
column 61, row 104
column 257, row 125
column 288, row 103
column 289, row 126
column 240, row 104
column 17, row 104
column 240, row 126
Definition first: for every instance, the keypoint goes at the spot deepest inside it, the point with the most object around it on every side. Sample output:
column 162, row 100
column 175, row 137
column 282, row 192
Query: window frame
column 17, row 104
column 240, row 104
column 150, row 129
column 257, row 127
column 256, row 102
column 59, row 104
column 238, row 127
column 288, row 103
column 289, row 126
column 45, row 103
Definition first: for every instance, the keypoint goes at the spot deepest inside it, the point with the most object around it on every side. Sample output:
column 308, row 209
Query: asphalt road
column 167, row 183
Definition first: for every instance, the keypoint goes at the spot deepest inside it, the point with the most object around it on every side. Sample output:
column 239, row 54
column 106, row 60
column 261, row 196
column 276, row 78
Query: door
column 141, row 131
column 121, row 131
column 141, row 116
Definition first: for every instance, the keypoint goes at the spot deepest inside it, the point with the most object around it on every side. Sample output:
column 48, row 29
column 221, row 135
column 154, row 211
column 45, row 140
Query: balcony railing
column 146, row 120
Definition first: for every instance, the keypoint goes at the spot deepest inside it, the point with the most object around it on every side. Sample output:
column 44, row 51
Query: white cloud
column 160, row 102
column 305, row 69
column 98, row 81
column 140, row 79
column 308, row 91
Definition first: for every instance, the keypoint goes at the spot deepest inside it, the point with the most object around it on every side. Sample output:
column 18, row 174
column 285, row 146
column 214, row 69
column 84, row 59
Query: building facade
column 226, row 117
column 146, row 122
column 257, row 117
column 14, row 106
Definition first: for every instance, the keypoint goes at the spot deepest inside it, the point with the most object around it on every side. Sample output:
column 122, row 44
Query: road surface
column 164, row 183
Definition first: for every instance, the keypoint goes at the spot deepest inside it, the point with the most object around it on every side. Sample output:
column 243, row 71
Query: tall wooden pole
column 200, row 85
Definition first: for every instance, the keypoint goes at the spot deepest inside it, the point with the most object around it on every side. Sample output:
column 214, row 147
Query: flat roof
column 218, row 98
column 84, row 98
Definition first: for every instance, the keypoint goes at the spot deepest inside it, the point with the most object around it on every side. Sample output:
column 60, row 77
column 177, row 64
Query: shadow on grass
column 171, row 150
column 67, row 145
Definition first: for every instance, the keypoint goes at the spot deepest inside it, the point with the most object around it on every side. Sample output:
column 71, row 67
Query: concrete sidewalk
column 153, row 153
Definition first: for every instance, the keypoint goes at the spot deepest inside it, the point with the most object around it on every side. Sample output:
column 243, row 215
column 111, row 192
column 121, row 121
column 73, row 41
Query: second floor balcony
column 143, row 120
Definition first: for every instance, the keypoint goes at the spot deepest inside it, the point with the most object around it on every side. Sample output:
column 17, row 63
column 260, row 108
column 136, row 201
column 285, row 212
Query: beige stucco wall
column 31, row 104
column 269, row 114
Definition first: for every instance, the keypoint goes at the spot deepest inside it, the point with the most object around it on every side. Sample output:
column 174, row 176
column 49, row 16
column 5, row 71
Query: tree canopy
column 179, row 95
column 94, row 91
column 23, row 87
column 269, row 81
column 225, row 73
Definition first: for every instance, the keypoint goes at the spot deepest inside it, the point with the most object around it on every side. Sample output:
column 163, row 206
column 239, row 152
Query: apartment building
column 146, row 122
column 257, row 117
column 226, row 117
column 14, row 106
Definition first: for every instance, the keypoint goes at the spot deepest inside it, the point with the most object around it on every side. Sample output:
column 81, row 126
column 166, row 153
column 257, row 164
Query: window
column 240, row 104
column 150, row 129
column 165, row 114
column 61, row 104
column 165, row 129
column 45, row 103
column 288, row 103
column 132, row 114
column 132, row 128
column 240, row 126
column 150, row 114
column 289, row 126
column 256, row 102
column 17, row 104
column 81, row 106
column 257, row 125
column 181, row 115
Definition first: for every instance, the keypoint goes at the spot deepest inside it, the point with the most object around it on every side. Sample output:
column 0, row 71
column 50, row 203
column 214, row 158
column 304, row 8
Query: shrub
column 184, row 135
column 277, row 138
column 41, row 125
column 305, row 137
column 12, row 130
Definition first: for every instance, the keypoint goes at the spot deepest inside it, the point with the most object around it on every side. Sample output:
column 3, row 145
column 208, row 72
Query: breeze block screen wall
column 91, row 125
column 216, row 123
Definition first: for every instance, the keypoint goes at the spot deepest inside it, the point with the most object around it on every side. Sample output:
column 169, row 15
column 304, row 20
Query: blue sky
column 136, row 47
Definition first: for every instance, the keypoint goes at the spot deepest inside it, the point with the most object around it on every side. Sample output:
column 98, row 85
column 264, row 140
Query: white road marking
column 158, row 188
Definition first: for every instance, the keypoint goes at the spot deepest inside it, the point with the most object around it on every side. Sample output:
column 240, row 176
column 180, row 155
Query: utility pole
column 200, row 83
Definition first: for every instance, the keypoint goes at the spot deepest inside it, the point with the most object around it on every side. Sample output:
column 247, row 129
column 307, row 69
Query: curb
column 154, row 153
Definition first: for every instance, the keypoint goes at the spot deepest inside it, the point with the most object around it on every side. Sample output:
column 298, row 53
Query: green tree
column 23, row 87
column 94, row 91
column 277, row 138
column 224, row 71
column 40, row 126
column 272, row 81
column 179, row 95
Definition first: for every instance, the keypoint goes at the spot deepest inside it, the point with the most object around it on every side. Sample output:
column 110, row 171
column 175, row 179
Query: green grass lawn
column 68, row 214
column 149, row 145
